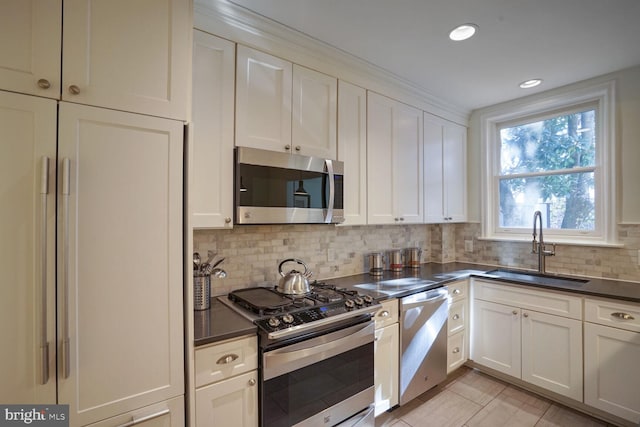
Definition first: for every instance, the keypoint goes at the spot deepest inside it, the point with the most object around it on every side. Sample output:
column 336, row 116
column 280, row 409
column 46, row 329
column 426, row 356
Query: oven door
column 321, row 381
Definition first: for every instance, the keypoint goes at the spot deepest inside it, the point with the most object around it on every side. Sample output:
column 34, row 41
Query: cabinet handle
column 226, row 359
column 227, row 220
column 139, row 420
column 44, row 344
column 297, row 148
column 66, row 185
column 384, row 313
column 514, row 312
column 525, row 315
column 401, row 218
column 623, row 316
column 44, row 84
column 287, row 147
column 74, row 90
column 252, row 382
column 456, row 350
column 456, row 317
column 456, row 291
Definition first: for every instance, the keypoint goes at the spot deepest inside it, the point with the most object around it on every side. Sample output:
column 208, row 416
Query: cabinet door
column 496, row 337
column 315, row 102
column 119, row 261
column 386, row 369
column 456, row 351
column 211, row 130
column 232, row 402
column 263, row 96
column 30, row 43
column 434, row 211
column 380, row 178
column 352, row 150
column 454, row 163
column 559, row 370
column 445, row 176
column 407, row 164
column 131, row 56
column 27, row 249
column 611, row 374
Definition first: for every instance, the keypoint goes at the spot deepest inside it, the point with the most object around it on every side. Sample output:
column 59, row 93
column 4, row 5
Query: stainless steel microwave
column 283, row 188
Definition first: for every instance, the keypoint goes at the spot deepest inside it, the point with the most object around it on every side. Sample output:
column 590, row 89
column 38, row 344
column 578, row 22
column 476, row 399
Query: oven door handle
column 296, row 356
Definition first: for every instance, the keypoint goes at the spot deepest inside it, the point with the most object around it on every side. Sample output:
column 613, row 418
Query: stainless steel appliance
column 316, row 354
column 283, row 188
column 423, row 342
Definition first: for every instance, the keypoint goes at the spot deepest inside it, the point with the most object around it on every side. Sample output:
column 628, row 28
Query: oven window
column 268, row 186
column 298, row 395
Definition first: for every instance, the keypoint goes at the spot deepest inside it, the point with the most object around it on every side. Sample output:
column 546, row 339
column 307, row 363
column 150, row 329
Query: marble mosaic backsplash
column 254, row 252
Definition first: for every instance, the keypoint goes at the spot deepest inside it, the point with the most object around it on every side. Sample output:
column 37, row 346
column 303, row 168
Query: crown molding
column 225, row 19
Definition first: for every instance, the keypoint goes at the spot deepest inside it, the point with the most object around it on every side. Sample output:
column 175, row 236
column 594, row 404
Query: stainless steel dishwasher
column 423, row 342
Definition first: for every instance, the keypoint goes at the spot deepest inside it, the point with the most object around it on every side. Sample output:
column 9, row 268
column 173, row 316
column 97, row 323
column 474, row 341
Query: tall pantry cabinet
column 91, row 217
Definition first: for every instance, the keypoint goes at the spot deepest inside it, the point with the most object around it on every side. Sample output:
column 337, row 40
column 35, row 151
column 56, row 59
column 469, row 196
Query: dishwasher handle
column 421, row 298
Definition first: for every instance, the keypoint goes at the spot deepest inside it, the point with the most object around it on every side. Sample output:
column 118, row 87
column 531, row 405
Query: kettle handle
column 299, row 261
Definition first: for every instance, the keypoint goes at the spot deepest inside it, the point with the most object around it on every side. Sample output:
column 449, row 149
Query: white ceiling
column 560, row 41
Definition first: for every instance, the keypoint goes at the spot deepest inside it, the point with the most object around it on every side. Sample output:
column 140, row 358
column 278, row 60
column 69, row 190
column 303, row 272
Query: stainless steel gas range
column 316, row 355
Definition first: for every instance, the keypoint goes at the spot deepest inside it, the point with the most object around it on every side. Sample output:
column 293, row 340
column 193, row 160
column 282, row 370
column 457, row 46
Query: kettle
column 294, row 282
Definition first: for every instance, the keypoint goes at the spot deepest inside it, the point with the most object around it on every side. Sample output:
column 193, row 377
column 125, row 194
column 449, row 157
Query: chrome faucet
column 538, row 247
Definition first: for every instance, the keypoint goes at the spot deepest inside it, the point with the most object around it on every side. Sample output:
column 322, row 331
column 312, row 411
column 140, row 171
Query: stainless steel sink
column 536, row 278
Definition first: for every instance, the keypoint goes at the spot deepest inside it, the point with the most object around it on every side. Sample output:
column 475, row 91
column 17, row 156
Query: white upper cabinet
column 281, row 106
column 352, row 150
column 30, row 40
column 445, row 175
column 263, row 100
column 394, row 162
column 131, row 56
column 315, row 98
column 211, row 131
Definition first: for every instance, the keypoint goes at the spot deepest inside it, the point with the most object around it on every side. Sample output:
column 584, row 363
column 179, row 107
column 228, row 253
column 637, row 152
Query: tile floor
column 471, row 399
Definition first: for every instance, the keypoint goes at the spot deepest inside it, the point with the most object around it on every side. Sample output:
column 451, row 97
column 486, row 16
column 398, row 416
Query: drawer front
column 616, row 314
column 388, row 314
column 168, row 413
column 555, row 303
column 456, row 351
column 458, row 290
column 457, row 315
column 224, row 360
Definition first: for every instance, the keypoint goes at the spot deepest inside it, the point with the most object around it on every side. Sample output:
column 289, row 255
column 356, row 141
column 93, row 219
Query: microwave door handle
column 332, row 189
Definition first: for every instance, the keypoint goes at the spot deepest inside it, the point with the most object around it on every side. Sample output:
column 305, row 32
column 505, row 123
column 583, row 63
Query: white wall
column 627, row 144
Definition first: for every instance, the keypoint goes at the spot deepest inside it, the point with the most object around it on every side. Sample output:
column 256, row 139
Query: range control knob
column 287, row 318
column 274, row 322
column 358, row 301
column 349, row 304
column 367, row 299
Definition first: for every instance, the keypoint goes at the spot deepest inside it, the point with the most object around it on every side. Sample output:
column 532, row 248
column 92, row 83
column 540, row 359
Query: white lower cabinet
column 165, row 414
column 227, row 383
column 458, row 325
column 540, row 348
column 611, row 356
column 387, row 356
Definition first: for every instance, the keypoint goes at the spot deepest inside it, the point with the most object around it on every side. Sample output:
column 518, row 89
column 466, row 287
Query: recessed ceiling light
column 463, row 32
column 530, row 83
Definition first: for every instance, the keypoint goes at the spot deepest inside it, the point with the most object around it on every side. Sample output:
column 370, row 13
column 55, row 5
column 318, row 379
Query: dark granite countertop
column 220, row 322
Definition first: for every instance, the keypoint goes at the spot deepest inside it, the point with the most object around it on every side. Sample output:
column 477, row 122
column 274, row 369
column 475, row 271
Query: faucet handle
column 534, row 245
column 546, row 252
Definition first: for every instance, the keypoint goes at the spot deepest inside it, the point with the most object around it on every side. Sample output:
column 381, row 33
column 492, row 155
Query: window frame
column 540, row 106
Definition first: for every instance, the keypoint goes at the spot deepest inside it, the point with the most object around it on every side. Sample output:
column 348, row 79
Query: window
column 554, row 155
